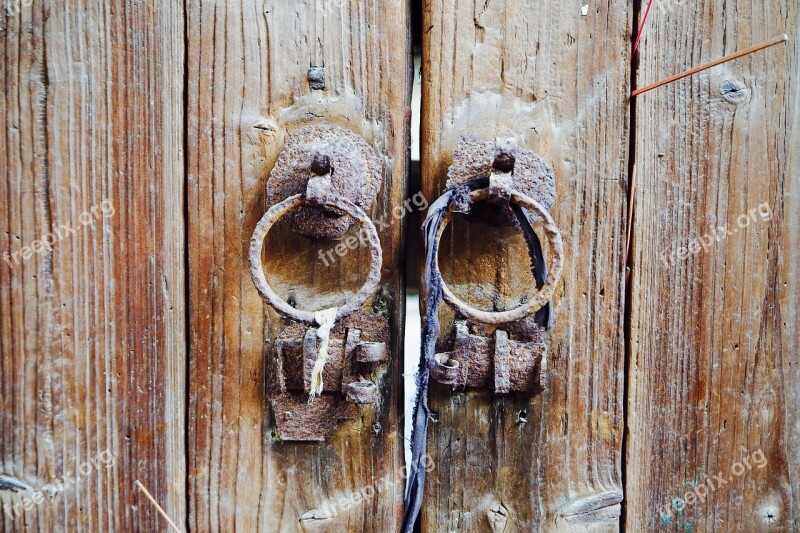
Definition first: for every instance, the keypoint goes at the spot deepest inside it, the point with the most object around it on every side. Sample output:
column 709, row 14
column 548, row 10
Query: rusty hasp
column 357, row 354
column 495, row 362
column 296, row 358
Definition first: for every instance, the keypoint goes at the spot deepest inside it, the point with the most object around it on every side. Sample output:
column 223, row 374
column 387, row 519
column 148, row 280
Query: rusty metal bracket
column 497, row 362
column 352, row 168
column 500, row 161
column 501, row 180
column 357, row 357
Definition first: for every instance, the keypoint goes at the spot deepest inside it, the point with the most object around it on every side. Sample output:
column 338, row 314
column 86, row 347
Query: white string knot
column 325, row 319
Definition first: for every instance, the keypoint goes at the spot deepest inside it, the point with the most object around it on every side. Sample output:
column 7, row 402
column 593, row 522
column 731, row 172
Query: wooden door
column 554, row 79
column 102, row 101
column 248, row 88
column 93, row 307
column 713, row 365
column 136, row 353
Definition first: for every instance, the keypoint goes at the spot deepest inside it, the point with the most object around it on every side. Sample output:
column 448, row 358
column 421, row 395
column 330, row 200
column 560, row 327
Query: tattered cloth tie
column 326, row 320
column 430, row 331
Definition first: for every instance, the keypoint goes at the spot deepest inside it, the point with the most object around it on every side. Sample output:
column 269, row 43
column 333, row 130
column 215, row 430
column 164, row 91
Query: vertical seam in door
column 186, row 262
column 628, row 275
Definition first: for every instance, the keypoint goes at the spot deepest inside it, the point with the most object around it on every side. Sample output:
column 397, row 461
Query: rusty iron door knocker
column 503, row 364
column 505, row 351
column 543, row 295
column 281, row 209
column 323, row 180
column 512, row 359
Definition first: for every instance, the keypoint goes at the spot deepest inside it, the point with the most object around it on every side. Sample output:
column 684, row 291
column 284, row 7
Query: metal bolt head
column 321, row 164
column 316, row 78
column 504, row 161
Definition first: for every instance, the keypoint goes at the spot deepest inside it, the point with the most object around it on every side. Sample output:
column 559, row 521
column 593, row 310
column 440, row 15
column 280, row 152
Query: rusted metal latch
column 323, row 180
column 502, row 351
column 494, row 362
column 297, row 357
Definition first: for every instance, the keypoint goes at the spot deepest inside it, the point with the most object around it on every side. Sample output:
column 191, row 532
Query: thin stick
column 158, row 507
column 629, row 231
column 641, row 29
column 695, row 70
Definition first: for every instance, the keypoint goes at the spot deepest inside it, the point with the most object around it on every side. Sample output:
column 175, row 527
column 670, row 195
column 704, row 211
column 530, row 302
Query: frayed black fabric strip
column 543, row 317
column 430, row 331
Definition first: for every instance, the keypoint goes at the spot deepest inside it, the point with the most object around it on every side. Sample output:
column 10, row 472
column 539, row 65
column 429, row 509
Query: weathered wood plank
column 93, row 325
column 714, row 345
column 555, row 79
column 248, row 87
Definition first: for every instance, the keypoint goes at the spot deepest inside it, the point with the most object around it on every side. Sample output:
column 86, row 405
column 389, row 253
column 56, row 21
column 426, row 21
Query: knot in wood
column 734, row 91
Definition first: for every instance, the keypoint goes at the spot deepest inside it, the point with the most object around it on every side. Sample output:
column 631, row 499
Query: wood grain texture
column 248, row 88
column 714, row 345
column 556, row 80
column 93, row 327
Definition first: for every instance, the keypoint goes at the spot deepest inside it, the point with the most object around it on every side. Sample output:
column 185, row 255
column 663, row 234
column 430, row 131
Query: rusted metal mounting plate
column 531, row 175
column 297, row 420
column 356, row 174
column 344, row 365
column 494, row 361
column 357, row 351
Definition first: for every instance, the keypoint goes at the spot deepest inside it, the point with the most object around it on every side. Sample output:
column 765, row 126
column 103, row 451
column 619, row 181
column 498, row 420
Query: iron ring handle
column 542, row 296
column 257, row 267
